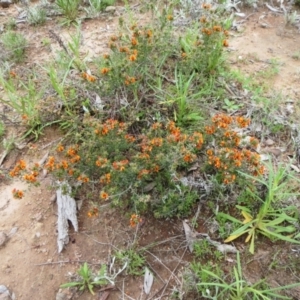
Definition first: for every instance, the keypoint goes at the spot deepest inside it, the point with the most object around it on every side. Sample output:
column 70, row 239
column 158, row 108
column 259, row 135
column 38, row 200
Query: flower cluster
column 135, row 220
column 94, row 212
column 122, row 165
column 17, row 194
column 229, row 156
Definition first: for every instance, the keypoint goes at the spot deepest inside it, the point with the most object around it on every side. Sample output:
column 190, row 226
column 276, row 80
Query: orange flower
column 226, row 33
column 170, row 18
column 101, row 162
column 106, row 56
column 105, row 179
column 104, row 130
column 22, row 164
column 206, row 6
column 129, row 138
column 143, row 173
column 104, row 195
column 50, row 165
column 242, row 122
column 134, row 41
column 12, row 74
column 217, row 28
column 203, row 19
column 254, row 142
column 207, row 31
column 104, row 70
column 113, row 38
column 83, row 178
column 60, row 148
column 149, row 33
column 71, row 151
column 120, row 165
column 210, row 152
column 189, row 157
column 124, row 49
column 225, row 43
column 132, row 57
column 134, row 220
column 31, row 178
column 93, row 212
column 75, row 159
column 130, row 80
column 144, row 156
column 156, row 126
column 88, row 77
column 17, row 194
column 156, row 169
column 210, row 129
column 183, row 55
column 156, row 142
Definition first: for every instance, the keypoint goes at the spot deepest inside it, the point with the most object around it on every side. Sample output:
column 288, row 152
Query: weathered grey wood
column 66, row 206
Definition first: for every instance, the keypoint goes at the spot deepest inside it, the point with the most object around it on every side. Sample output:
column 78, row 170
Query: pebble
column 3, row 239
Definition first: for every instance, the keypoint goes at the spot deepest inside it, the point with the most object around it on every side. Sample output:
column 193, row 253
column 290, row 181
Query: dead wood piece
column 66, row 206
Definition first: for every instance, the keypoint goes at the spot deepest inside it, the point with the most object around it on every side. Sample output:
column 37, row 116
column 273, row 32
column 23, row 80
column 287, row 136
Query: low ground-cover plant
column 218, row 287
column 270, row 220
column 142, row 170
column 151, row 60
column 14, row 45
column 87, row 280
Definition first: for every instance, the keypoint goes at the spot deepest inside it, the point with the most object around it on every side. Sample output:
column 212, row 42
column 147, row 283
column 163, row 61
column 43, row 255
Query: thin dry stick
column 173, row 273
column 153, row 270
column 123, row 293
column 66, row 262
column 106, row 244
column 163, row 265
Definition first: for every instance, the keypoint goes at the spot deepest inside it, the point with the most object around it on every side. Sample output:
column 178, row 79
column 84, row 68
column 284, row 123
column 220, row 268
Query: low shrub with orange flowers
column 141, row 57
column 143, row 170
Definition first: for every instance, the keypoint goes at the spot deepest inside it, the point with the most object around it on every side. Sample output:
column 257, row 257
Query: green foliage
column 271, row 221
column 2, row 129
column 135, row 262
column 231, row 105
column 87, row 280
column 97, row 6
column 204, row 250
column 216, row 287
column 36, row 16
column 147, row 60
column 70, row 9
column 14, row 44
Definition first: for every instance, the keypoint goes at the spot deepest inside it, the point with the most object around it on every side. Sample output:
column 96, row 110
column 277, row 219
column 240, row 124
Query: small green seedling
column 231, row 105
column 87, row 281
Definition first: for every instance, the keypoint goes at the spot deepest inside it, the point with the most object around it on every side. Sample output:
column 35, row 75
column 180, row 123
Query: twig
column 106, row 244
column 173, row 272
column 66, row 262
column 159, row 260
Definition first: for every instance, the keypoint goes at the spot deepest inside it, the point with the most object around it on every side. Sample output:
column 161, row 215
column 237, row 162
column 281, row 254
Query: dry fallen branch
column 66, row 206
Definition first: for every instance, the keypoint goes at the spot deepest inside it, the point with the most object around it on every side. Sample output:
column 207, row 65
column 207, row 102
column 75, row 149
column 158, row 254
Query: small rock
column 63, row 295
column 5, row 3
column 3, row 239
column 269, row 142
column 110, row 9
column 5, row 294
column 274, row 151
